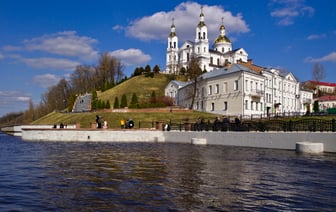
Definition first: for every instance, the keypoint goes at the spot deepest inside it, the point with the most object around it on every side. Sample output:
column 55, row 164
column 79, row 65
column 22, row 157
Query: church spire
column 172, row 29
column 222, row 37
column 201, row 23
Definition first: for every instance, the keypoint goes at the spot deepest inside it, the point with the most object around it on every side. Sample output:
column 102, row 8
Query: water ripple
column 49, row 176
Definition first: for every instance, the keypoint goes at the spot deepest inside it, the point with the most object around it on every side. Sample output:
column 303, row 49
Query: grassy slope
column 143, row 87
column 140, row 85
column 146, row 119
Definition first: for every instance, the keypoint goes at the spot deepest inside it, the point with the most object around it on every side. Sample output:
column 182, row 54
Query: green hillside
column 141, row 119
column 143, row 87
column 140, row 85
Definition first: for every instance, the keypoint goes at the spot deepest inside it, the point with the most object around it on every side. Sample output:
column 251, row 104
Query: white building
column 237, row 90
column 210, row 59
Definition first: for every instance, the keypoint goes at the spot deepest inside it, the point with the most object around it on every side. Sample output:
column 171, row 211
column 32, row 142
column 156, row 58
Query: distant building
column 326, row 102
column 321, row 87
column 210, row 58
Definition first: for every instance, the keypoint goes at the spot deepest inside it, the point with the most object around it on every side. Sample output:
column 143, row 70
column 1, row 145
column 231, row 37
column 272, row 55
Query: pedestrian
column 122, row 123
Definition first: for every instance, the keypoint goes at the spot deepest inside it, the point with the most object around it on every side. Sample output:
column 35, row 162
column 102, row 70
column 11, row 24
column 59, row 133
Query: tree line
column 85, row 78
column 61, row 97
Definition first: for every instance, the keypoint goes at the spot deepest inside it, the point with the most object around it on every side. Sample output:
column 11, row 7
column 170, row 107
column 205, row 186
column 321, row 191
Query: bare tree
column 193, row 72
column 109, row 69
column 318, row 72
column 82, row 79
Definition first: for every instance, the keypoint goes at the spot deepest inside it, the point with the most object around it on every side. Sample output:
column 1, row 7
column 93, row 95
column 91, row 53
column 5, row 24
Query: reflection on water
column 74, row 176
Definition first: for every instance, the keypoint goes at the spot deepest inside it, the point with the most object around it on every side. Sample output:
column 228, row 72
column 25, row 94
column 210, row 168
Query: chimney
column 228, row 65
column 250, row 61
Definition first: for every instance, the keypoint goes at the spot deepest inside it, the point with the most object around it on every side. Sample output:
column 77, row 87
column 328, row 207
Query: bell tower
column 172, row 59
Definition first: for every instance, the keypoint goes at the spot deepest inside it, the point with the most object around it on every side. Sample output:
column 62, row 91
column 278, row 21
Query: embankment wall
column 274, row 140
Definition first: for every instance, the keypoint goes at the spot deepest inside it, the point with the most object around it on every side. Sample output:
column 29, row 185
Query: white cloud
column 316, row 37
column 328, row 58
column 50, row 63
column 131, row 56
column 2, row 56
column 186, row 18
column 11, row 48
column 287, row 10
column 13, row 100
column 66, row 43
column 46, row 80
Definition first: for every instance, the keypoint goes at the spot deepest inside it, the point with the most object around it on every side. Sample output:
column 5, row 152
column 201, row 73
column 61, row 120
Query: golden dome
column 222, row 39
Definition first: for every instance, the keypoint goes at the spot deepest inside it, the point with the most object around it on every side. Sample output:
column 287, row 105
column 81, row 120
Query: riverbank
column 273, row 140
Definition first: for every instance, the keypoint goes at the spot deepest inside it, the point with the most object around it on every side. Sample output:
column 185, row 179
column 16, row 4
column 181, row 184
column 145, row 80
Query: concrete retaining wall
column 274, row 140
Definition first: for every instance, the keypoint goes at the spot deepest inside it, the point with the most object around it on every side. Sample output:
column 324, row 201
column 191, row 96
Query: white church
column 232, row 84
column 210, row 59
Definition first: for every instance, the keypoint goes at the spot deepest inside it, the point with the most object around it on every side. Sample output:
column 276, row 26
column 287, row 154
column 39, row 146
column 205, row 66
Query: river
column 92, row 176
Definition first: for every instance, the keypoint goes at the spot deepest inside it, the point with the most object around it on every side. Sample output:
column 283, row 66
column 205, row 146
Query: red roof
column 327, row 98
column 331, row 84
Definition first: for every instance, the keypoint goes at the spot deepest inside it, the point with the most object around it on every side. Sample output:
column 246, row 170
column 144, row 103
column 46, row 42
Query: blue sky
column 42, row 41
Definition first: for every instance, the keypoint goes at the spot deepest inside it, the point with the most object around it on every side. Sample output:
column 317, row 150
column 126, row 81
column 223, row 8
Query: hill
column 141, row 85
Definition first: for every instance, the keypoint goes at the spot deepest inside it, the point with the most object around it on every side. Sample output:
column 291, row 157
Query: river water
column 73, row 176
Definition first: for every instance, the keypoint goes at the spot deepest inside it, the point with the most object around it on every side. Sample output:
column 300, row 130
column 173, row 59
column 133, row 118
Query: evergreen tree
column 316, row 107
column 94, row 100
column 107, row 105
column 156, row 69
column 116, row 103
column 134, row 101
column 153, row 97
column 123, row 102
column 148, row 69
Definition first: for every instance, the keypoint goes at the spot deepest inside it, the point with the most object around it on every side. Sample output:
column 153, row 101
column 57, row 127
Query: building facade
column 210, row 58
column 237, row 90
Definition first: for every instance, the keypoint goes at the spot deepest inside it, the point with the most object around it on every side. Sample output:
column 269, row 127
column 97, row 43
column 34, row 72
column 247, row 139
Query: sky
column 42, row 41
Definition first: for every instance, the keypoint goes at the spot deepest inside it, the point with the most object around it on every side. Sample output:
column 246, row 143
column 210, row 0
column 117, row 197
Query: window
column 223, row 49
column 235, row 85
column 257, row 106
column 187, row 57
column 199, row 35
column 204, row 35
column 218, row 61
column 246, row 85
column 217, row 88
column 201, row 105
column 251, row 105
column 212, row 106
column 205, row 49
column 246, row 105
column 225, row 106
column 225, row 87
column 211, row 60
column 251, row 86
column 198, row 49
column 202, row 92
column 210, row 90
column 174, row 45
